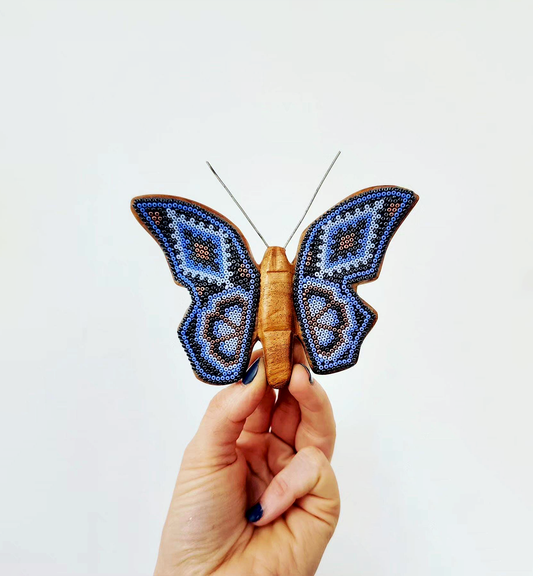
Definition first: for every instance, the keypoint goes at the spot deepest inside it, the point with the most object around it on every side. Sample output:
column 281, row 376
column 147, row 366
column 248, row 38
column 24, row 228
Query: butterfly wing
column 208, row 256
column 345, row 246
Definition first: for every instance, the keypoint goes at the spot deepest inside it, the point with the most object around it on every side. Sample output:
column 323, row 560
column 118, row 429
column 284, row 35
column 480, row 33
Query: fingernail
column 308, row 372
column 252, row 371
column 254, row 513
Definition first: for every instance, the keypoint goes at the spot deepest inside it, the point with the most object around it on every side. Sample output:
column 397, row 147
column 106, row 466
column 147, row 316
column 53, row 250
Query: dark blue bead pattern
column 209, row 257
column 345, row 246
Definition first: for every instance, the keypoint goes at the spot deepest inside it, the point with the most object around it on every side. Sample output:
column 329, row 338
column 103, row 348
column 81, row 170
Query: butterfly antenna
column 312, row 199
column 235, row 200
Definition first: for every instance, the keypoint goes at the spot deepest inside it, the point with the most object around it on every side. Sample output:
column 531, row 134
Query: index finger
column 317, row 424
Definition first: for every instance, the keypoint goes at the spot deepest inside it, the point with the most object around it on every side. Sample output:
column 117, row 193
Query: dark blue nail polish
column 252, row 371
column 308, row 372
column 254, row 513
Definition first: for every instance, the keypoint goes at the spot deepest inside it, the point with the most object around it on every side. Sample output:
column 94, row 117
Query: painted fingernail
column 254, row 513
column 308, row 372
column 252, row 371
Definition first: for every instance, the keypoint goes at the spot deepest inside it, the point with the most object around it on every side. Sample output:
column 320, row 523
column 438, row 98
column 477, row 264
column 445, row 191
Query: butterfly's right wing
column 207, row 254
column 342, row 248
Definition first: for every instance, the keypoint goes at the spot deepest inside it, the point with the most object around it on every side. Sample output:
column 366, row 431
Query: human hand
column 256, row 494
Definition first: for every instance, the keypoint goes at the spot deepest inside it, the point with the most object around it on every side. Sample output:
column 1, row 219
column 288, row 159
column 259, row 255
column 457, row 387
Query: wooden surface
column 276, row 319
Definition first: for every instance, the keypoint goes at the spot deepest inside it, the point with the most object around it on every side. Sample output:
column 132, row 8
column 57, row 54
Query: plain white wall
column 102, row 101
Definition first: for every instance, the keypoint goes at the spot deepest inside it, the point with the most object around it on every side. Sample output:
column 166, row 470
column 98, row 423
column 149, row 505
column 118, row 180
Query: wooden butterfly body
column 236, row 302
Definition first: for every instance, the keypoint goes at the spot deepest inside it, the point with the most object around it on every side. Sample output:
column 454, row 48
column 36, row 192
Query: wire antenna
column 235, row 200
column 312, row 199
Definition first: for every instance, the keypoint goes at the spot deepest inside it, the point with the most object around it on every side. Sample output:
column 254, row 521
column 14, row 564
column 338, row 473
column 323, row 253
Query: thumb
column 215, row 442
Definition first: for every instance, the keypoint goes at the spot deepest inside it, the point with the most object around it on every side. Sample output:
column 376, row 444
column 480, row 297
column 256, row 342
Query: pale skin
column 253, row 447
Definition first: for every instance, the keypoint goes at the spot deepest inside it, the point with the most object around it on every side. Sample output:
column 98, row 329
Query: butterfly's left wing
column 208, row 255
column 342, row 248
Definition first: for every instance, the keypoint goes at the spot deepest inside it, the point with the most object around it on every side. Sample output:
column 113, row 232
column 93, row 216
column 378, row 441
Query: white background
column 102, row 101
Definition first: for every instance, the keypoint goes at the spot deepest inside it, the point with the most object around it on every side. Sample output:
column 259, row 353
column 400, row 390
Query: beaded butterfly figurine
column 236, row 302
